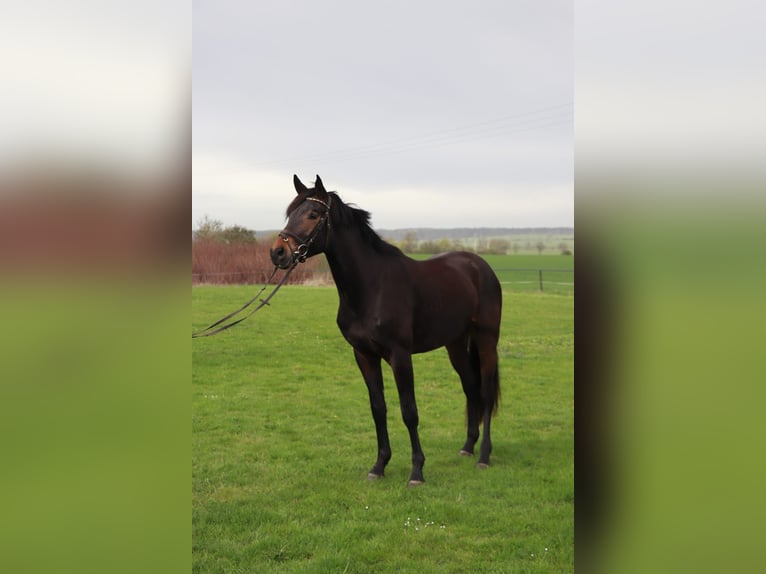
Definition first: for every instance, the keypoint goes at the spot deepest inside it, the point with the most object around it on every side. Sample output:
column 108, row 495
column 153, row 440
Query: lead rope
column 298, row 256
column 206, row 332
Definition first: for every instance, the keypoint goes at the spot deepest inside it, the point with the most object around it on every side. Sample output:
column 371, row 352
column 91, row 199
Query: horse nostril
column 278, row 255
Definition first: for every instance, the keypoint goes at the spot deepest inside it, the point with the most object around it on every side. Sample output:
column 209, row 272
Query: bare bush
column 239, row 263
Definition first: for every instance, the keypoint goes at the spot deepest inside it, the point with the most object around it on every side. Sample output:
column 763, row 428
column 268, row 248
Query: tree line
column 213, row 232
column 496, row 246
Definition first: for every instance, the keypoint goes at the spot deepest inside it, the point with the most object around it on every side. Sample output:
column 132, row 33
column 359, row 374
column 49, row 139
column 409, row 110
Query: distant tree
column 213, row 230
column 498, row 246
column 410, row 242
column 515, row 247
column 428, row 247
column 208, row 229
column 237, row 234
column 564, row 248
column 540, row 246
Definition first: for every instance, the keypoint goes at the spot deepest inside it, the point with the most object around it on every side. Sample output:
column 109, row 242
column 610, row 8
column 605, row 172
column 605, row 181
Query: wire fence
column 543, row 280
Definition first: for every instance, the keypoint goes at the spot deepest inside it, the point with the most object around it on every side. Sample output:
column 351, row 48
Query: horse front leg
column 369, row 365
column 401, row 364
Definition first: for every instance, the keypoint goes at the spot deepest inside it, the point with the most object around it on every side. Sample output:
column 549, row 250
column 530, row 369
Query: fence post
column 540, row 273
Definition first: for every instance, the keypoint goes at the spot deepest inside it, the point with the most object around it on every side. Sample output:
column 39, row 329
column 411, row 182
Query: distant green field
column 282, row 439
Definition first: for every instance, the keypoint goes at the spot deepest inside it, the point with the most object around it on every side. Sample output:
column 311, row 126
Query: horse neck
column 354, row 263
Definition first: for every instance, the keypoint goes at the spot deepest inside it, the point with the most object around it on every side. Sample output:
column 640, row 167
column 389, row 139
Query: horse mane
column 349, row 216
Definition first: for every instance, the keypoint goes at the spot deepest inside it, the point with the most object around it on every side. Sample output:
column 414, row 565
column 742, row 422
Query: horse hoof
column 483, row 465
column 465, row 453
column 412, row 483
column 373, row 476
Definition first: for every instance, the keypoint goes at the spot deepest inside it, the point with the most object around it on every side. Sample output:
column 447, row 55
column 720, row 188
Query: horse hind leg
column 465, row 361
column 490, row 391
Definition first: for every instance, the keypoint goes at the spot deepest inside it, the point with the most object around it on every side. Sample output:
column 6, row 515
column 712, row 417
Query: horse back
column 460, row 274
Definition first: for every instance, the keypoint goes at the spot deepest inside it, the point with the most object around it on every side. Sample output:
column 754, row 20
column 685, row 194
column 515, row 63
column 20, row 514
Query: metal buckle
column 300, row 253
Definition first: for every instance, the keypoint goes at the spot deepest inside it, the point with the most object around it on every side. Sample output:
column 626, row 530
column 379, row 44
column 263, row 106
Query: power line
column 502, row 126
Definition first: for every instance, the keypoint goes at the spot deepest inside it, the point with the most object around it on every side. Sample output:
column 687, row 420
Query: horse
column 392, row 306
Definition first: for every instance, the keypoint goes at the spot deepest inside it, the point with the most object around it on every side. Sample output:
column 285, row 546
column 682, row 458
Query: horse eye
column 313, row 214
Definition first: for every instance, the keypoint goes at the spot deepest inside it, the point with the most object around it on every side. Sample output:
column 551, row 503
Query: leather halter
column 300, row 254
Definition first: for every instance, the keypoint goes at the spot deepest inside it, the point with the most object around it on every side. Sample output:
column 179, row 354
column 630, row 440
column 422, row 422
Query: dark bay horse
column 392, row 306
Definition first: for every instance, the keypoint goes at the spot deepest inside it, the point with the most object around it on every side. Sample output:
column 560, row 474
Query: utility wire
column 502, row 126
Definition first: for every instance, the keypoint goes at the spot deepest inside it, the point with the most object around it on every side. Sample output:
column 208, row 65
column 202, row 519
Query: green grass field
column 283, row 439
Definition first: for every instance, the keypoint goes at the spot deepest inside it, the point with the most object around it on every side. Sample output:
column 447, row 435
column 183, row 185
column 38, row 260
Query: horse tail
column 494, row 384
column 490, row 388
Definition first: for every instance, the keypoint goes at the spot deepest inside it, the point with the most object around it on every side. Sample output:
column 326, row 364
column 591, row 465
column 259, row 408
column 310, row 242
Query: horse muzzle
column 281, row 255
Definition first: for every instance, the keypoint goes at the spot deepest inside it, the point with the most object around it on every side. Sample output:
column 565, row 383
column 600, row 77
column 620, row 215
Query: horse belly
column 440, row 327
column 448, row 302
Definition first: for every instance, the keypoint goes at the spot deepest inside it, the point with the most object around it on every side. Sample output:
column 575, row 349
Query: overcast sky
column 427, row 114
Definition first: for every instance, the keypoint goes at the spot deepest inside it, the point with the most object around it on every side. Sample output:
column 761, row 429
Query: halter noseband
column 301, row 251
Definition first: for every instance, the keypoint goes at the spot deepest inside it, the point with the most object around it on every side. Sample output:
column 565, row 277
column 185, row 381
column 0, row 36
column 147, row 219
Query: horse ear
column 319, row 189
column 299, row 187
column 319, row 186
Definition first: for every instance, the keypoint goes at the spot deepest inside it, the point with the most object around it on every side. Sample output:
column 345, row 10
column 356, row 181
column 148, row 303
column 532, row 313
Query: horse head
column 308, row 220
